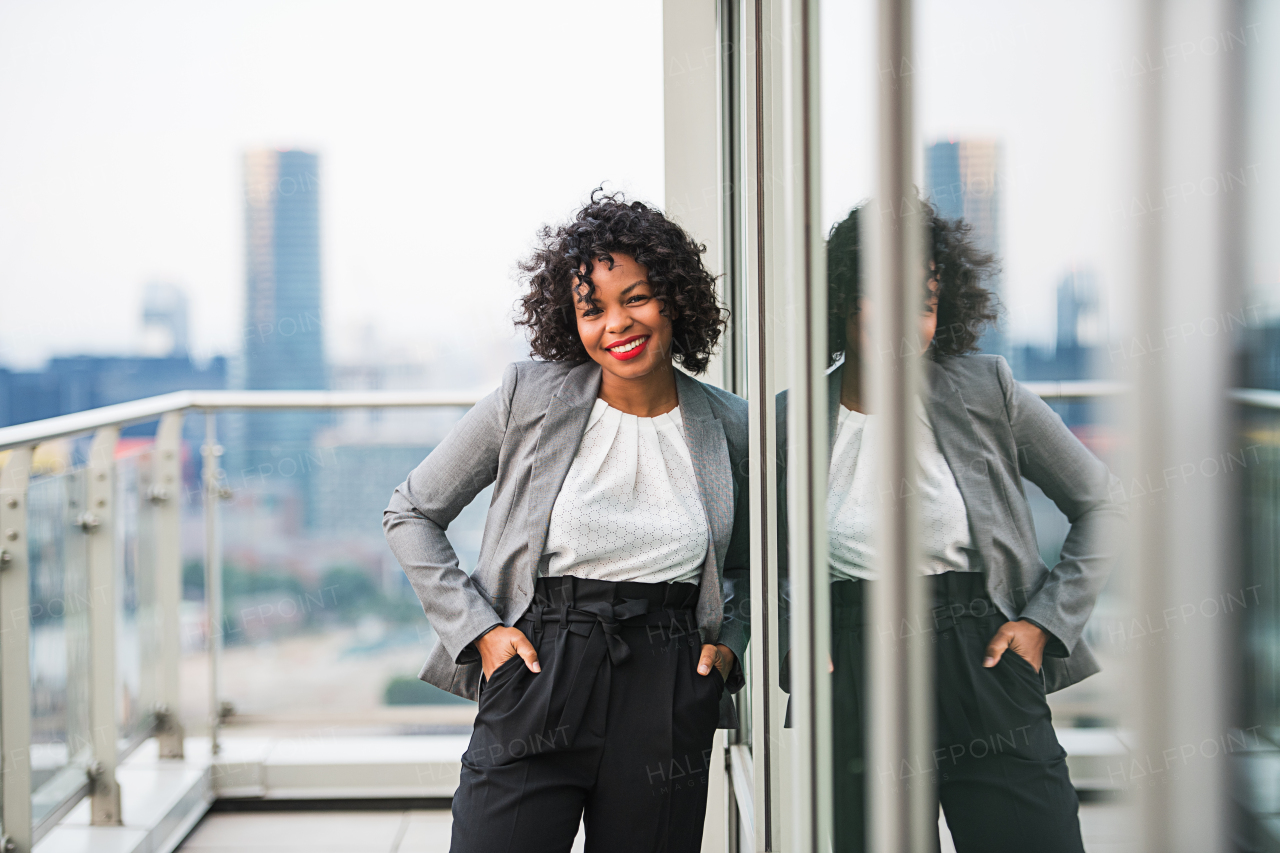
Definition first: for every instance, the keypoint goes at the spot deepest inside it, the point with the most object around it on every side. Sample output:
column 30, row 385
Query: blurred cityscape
column 309, row 584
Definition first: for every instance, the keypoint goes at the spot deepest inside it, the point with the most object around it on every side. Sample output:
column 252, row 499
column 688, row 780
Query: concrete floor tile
column 426, row 832
column 287, row 832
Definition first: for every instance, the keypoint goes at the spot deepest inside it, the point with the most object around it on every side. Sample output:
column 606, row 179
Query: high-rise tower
column 962, row 179
column 284, row 335
column 283, row 327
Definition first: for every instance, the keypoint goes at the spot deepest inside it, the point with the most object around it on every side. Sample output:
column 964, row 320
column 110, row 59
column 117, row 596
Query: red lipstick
column 612, row 349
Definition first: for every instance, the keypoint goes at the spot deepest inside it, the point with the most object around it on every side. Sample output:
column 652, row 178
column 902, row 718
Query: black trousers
column 616, row 729
column 1000, row 772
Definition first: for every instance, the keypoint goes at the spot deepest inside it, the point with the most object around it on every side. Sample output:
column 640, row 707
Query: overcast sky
column 449, row 132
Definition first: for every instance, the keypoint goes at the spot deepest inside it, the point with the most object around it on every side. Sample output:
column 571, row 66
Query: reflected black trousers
column 616, row 729
column 1000, row 772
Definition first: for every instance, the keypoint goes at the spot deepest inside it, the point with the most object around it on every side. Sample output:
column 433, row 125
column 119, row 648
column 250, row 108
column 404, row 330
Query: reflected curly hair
column 606, row 225
column 965, row 307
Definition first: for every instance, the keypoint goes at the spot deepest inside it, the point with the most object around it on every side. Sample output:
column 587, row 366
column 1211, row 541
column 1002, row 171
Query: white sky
column 448, row 132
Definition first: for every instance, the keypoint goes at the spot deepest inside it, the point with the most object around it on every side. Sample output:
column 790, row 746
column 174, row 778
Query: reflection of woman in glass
column 599, row 630
column 1006, row 627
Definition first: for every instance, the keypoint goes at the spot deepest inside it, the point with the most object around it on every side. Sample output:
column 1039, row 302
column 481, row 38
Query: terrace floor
column 1104, row 826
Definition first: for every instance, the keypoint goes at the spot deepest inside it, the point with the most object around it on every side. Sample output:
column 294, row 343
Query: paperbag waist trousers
column 616, row 729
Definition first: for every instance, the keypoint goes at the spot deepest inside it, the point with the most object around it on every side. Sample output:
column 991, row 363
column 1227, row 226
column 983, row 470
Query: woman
column 1006, row 627
column 601, row 627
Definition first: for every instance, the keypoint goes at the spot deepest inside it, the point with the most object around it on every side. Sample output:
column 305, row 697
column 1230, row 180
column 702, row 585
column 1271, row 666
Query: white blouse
column 629, row 509
column 852, row 498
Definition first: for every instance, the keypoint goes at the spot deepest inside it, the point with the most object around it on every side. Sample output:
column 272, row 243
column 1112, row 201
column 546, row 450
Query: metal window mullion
column 98, row 521
column 166, row 505
column 15, row 672
column 738, row 808
column 755, row 791
column 762, row 241
column 1182, row 546
column 727, row 40
column 765, row 730
column 1150, row 710
column 805, row 280
column 902, row 808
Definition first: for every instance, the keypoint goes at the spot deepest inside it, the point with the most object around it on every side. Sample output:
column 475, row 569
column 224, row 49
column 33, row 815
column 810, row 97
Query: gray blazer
column 993, row 432
column 522, row 438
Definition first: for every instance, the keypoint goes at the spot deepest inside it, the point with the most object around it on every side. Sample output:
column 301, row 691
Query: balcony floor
column 324, row 832
column 1105, row 828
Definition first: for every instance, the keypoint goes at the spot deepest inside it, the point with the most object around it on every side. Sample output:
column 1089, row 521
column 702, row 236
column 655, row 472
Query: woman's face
column 622, row 327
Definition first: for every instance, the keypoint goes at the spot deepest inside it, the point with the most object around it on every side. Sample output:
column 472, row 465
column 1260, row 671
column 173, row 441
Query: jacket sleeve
column 1086, row 492
column 423, row 506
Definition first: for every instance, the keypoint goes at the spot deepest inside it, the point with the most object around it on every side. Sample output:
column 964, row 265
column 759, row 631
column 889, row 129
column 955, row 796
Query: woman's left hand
column 1024, row 639
column 719, row 656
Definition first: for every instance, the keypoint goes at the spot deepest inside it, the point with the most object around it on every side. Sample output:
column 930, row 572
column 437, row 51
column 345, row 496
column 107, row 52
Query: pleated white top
column 852, row 501
column 629, row 509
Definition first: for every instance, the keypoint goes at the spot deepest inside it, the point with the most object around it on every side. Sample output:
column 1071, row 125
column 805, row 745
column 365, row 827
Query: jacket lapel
column 562, row 430
column 958, row 441
column 709, row 450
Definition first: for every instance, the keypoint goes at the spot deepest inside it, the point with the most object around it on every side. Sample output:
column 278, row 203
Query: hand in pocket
column 500, row 645
column 1025, row 640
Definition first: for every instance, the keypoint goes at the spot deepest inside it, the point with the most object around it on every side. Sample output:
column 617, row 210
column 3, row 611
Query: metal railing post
column 213, row 494
column 165, row 495
column 15, row 673
column 98, row 520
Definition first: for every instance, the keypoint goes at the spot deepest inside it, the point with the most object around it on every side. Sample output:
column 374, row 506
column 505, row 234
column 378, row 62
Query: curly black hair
column 608, row 224
column 965, row 307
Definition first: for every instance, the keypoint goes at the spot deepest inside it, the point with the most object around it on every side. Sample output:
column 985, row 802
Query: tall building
column 284, row 333
column 283, row 326
column 962, row 178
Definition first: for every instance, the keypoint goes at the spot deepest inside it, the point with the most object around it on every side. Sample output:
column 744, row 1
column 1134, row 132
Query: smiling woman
column 604, row 625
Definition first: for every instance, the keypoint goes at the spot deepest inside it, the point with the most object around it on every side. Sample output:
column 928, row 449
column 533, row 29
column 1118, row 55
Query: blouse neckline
column 666, row 419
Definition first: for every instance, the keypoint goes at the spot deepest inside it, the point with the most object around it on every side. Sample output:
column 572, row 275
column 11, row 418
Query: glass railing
column 109, row 637
column 57, row 551
column 320, row 625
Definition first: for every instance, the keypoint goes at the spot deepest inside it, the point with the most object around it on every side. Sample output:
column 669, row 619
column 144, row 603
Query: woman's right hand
column 500, row 645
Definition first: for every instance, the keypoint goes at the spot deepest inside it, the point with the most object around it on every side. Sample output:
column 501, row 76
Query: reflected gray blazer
column 993, row 432
column 522, row 438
